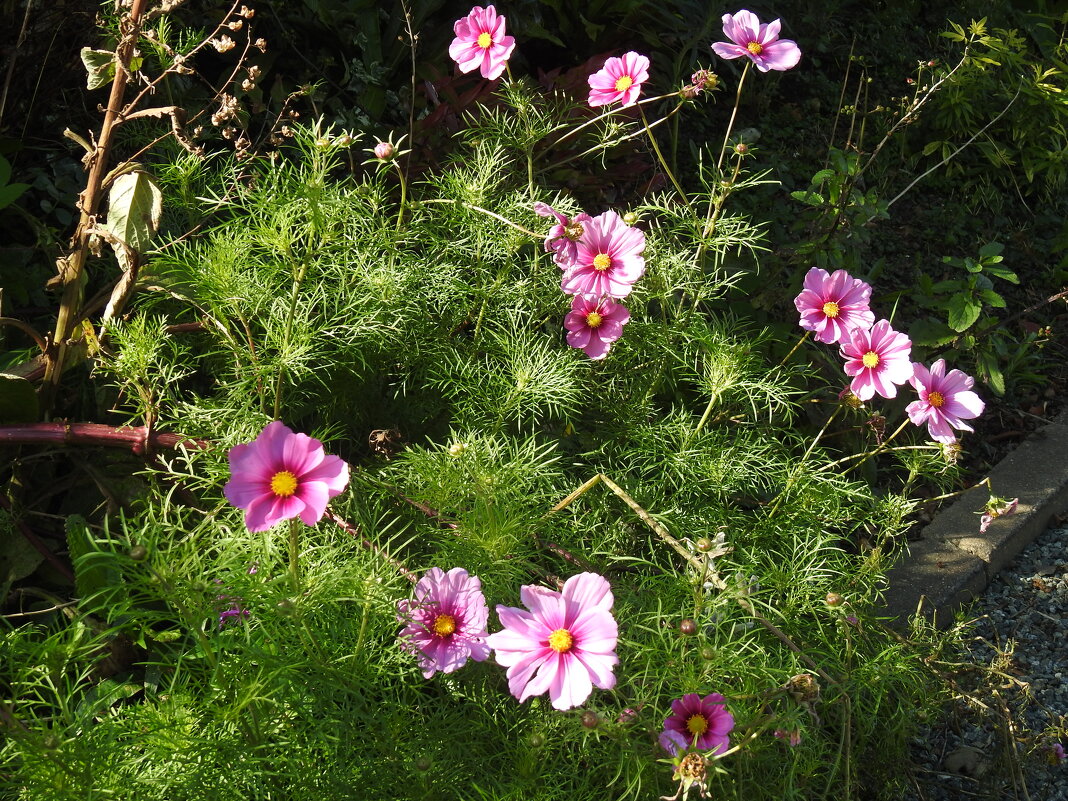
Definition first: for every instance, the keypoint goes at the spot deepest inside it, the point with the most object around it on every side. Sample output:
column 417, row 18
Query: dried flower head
column 223, row 44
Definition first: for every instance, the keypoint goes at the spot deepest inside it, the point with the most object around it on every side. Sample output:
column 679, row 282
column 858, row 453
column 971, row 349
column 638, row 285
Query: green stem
column 660, row 157
column 298, row 279
column 800, row 342
column 294, row 554
column 488, row 213
column 796, row 471
column 403, row 194
column 882, row 448
column 734, row 113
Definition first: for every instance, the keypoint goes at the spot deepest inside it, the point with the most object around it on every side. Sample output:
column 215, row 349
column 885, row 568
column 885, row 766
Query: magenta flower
column 608, row 259
column 619, row 80
column 594, row 324
column 833, row 305
column 562, row 239
column 761, row 43
column 480, row 42
column 702, row 723
column 877, row 359
column 568, row 638
column 280, row 475
column 446, row 623
column 946, row 401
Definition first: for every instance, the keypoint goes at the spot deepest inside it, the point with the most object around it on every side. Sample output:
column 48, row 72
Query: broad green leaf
column 991, row 252
column 811, row 198
column 100, row 64
column 18, row 558
column 135, row 205
column 18, row 400
column 931, row 333
column 991, row 373
column 964, row 310
column 821, row 176
column 1003, row 273
column 992, row 298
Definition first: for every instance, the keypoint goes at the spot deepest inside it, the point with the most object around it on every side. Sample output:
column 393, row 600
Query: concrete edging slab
column 952, row 562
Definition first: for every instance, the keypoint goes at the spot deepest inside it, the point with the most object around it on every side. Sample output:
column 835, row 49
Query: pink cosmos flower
column 568, row 638
column 946, row 401
column 594, row 324
column 446, row 621
column 562, row 239
column 619, row 80
column 280, row 475
column 480, row 42
column 877, row 359
column 761, row 43
column 995, row 508
column 699, row 722
column 833, row 304
column 608, row 259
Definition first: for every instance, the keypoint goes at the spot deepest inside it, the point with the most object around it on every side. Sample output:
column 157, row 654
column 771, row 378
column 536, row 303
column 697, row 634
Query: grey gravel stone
column 1024, row 614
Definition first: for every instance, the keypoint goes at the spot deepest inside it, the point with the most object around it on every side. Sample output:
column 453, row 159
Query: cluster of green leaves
column 316, row 298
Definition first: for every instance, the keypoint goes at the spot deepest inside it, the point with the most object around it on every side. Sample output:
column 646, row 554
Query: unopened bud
column 704, row 545
column 708, row 653
column 741, row 148
column 834, row 599
column 536, row 740
column 688, row 626
column 138, row 553
column 384, row 151
column 630, row 218
column 590, row 719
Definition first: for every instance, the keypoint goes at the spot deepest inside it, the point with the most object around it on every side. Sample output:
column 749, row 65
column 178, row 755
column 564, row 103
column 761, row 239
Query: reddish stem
column 139, row 439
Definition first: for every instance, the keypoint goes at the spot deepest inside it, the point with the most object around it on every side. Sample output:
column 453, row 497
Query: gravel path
column 1003, row 751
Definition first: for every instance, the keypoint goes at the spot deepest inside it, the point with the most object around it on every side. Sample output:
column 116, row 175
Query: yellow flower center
column 574, row 231
column 561, row 641
column 593, row 319
column 936, row 399
column 756, row 48
column 601, row 262
column 623, row 83
column 444, row 625
column 484, row 40
column 697, row 725
column 830, row 308
column 870, row 359
column 283, row 484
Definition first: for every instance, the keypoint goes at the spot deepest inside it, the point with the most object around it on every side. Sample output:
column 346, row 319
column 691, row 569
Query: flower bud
column 590, row 719
column 704, row 545
column 536, row 740
column 384, row 151
column 630, row 218
column 708, row 653
column 834, row 599
column 688, row 626
column 457, row 448
column 423, row 764
column 138, row 553
column 741, row 148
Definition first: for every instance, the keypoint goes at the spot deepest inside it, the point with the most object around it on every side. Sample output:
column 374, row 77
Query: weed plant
column 416, row 330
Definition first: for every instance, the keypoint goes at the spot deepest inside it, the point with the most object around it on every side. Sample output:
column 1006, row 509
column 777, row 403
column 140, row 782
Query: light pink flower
column 608, row 259
column 877, row 359
column 280, row 475
column 619, row 80
column 760, row 43
column 995, row 508
column 702, row 723
column 594, row 324
column 568, row 638
column 832, row 305
column 446, row 623
column 562, row 239
column 946, row 401
column 792, row 737
column 480, row 42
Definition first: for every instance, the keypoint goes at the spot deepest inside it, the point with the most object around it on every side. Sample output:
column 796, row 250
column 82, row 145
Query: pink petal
column 570, row 685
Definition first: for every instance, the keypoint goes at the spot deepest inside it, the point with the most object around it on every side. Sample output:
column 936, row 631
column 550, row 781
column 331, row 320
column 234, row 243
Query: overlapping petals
column 878, row 359
column 481, row 43
column 946, row 401
column 832, row 305
column 758, row 42
column 446, row 623
column 594, row 324
column 281, row 475
column 608, row 259
column 619, row 80
column 562, row 239
column 564, row 645
column 701, row 723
